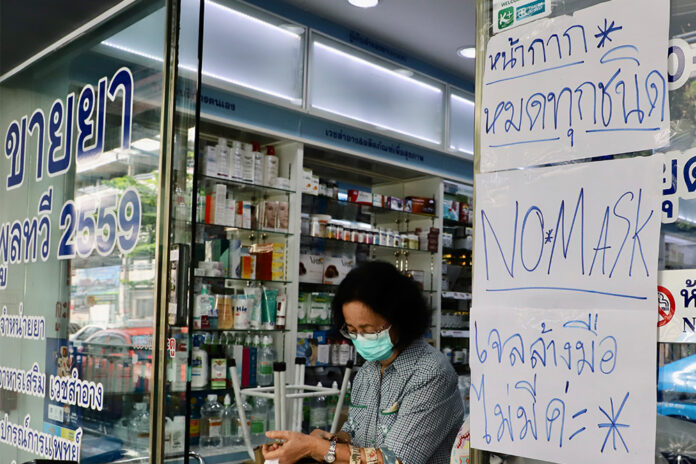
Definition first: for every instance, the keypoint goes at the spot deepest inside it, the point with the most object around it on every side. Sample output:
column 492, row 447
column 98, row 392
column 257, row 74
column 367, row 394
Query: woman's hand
column 296, row 446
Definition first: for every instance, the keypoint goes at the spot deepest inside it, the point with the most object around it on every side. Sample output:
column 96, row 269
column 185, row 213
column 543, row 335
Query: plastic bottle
column 201, row 307
column 199, row 365
column 222, row 158
column 258, row 163
column 230, row 431
column 271, row 415
column 259, row 420
column 247, row 163
column 140, row 427
column 178, row 429
column 270, row 166
column 317, row 413
column 236, row 160
column 264, row 362
column 211, row 423
column 331, row 403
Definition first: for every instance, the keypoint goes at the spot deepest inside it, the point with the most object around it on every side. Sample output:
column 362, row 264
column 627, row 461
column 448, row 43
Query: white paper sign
column 573, row 387
column 572, row 87
column 510, row 13
column 574, row 236
column 676, row 302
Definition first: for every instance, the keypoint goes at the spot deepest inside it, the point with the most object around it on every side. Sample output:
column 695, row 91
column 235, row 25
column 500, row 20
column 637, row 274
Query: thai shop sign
column 42, row 151
column 676, row 306
column 571, row 87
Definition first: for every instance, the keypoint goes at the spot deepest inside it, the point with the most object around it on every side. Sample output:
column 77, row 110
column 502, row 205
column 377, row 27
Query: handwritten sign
column 676, row 306
column 592, row 242
column 594, row 83
column 564, row 386
column 563, row 322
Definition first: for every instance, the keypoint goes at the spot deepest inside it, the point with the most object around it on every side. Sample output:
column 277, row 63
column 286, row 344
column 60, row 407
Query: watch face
column 330, row 458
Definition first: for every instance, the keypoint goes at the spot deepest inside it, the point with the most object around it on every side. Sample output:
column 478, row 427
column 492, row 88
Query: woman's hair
column 389, row 293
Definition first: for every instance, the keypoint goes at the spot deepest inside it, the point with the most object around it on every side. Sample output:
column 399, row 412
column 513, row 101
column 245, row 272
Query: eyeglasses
column 368, row 335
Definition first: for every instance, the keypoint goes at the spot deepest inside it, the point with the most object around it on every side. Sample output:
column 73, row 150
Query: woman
column 405, row 406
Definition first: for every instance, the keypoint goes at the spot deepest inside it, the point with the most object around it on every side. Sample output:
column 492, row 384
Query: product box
column 307, row 181
column 320, row 308
column 360, row 197
column 419, row 205
column 210, row 161
column 311, row 268
column 465, row 211
column 220, row 214
column 307, row 348
column 321, row 336
column 270, row 215
column 323, row 355
column 395, row 203
column 378, row 200
column 447, row 240
column 270, row 258
column 248, row 266
column 283, row 216
column 450, row 209
column 315, row 185
column 303, row 307
column 335, row 269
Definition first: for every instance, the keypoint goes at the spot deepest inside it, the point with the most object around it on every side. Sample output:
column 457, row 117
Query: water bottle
column 211, row 423
column 259, row 420
column 264, row 363
column 317, row 412
column 140, row 427
column 230, row 432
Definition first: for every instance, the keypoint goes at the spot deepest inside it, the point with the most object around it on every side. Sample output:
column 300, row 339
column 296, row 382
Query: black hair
column 389, row 293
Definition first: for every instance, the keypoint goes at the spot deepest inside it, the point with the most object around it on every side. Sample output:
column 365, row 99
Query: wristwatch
column 330, row 457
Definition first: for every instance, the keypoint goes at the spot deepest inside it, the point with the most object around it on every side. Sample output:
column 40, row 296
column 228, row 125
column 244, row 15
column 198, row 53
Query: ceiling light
column 294, row 28
column 404, row 72
column 467, row 52
column 364, row 3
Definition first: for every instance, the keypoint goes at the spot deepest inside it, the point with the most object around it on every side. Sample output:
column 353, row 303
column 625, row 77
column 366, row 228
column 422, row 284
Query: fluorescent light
column 404, row 72
column 462, row 100
column 372, row 123
column 377, row 67
column 364, row 3
column 294, row 28
column 256, row 20
column 467, row 52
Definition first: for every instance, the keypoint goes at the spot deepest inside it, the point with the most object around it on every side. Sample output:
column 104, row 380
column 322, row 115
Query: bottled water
column 230, row 431
column 264, row 363
column 211, row 423
column 317, row 412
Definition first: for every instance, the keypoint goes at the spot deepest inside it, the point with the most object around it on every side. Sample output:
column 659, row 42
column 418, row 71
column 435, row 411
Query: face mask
column 375, row 349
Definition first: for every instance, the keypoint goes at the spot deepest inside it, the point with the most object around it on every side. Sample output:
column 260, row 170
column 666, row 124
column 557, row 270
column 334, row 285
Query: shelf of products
column 241, row 186
column 457, row 295
column 450, row 333
column 263, row 233
column 317, row 201
column 398, row 249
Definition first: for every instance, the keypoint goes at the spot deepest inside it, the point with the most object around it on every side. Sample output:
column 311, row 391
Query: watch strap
column 371, row 455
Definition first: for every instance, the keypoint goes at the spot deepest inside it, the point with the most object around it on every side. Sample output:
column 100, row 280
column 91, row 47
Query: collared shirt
column 414, row 409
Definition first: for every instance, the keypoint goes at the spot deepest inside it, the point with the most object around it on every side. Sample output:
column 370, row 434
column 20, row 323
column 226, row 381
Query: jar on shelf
column 332, row 229
column 305, row 224
column 354, row 232
column 319, row 223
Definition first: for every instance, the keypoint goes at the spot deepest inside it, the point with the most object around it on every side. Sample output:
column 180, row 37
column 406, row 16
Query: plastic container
column 139, row 433
column 319, row 224
column 317, row 412
column 211, row 423
column 270, row 166
column 199, row 365
column 259, row 421
column 230, row 430
column 264, row 364
column 178, row 434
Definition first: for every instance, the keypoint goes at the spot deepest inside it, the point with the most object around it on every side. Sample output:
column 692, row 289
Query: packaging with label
column 220, row 204
column 320, row 308
column 465, row 211
column 248, row 164
column 218, row 372
column 303, row 307
column 311, row 268
column 269, row 308
column 222, row 158
column 336, row 268
column 270, row 166
column 270, row 215
column 419, row 205
column 210, row 161
column 248, row 265
column 234, row 256
column 315, row 185
column 241, row 314
column 283, row 216
column 231, row 212
column 395, row 203
column 243, row 216
column 281, row 311
column 307, row 181
column 360, row 197
column 450, row 209
column 307, row 348
column 378, row 200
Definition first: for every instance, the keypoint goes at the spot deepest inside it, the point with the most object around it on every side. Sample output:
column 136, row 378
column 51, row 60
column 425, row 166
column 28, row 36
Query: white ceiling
column 430, row 30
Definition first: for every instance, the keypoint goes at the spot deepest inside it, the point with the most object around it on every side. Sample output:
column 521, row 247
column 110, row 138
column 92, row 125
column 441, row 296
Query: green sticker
column 506, row 17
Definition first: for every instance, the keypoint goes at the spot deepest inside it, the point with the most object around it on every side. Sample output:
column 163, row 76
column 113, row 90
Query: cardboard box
column 450, row 209
column 419, row 205
column 311, row 268
column 360, row 197
column 395, row 203
column 335, row 269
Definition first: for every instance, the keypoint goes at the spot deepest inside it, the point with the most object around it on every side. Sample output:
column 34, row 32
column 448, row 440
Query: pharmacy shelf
column 249, row 331
column 315, row 286
column 310, row 238
column 321, row 200
column 262, row 232
column 245, row 187
column 454, row 333
column 453, row 223
column 457, row 296
column 229, row 282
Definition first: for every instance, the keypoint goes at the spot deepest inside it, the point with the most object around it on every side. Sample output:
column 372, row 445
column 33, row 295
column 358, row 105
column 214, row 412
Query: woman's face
column 361, row 319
